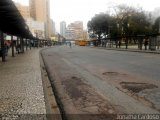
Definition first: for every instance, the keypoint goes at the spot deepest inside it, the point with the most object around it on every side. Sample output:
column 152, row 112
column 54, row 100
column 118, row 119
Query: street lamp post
column 127, row 32
column 117, row 43
column 127, row 37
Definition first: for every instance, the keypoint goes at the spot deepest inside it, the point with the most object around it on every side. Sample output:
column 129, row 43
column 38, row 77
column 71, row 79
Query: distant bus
column 81, row 42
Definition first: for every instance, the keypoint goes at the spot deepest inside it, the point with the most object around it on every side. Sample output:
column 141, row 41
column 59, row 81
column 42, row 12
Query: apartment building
column 63, row 28
column 75, row 31
column 24, row 10
column 40, row 11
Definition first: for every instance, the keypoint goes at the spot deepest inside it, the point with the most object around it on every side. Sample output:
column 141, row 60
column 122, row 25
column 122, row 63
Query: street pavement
column 99, row 81
column 21, row 89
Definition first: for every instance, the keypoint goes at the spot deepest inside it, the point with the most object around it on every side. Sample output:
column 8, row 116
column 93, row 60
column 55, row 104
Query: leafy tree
column 99, row 25
column 139, row 23
column 132, row 21
column 156, row 26
column 125, row 21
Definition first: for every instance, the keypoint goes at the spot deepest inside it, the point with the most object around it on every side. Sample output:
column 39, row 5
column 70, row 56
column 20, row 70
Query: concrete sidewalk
column 21, row 88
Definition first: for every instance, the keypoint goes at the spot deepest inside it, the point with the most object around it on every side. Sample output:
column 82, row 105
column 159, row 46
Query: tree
column 156, row 26
column 131, row 22
column 99, row 25
column 125, row 22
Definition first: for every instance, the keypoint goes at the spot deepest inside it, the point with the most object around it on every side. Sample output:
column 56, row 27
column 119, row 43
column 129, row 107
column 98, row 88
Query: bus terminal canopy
column 11, row 21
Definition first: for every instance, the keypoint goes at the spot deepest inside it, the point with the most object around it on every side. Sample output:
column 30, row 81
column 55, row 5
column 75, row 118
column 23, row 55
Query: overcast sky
column 84, row 10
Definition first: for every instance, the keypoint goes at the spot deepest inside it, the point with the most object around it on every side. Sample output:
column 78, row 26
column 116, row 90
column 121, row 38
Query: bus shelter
column 13, row 24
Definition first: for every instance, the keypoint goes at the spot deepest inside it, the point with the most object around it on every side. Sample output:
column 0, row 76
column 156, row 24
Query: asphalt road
column 146, row 65
column 90, row 80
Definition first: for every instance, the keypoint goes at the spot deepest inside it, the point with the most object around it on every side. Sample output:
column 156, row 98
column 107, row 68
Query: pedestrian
column 145, row 44
column 70, row 44
column 18, row 49
column 119, row 44
column 6, row 47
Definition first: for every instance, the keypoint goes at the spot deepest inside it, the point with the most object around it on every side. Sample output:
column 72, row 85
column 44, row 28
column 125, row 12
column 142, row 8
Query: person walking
column 119, row 43
column 6, row 48
column 145, row 44
column 18, row 47
column 70, row 44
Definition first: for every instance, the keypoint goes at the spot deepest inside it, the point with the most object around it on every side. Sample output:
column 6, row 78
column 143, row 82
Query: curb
column 128, row 50
column 52, row 108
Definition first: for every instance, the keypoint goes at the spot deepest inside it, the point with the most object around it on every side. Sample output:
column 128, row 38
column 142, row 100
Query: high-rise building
column 78, row 25
column 63, row 28
column 40, row 11
column 52, row 27
column 37, row 28
column 85, row 35
column 24, row 10
column 70, row 32
column 75, row 31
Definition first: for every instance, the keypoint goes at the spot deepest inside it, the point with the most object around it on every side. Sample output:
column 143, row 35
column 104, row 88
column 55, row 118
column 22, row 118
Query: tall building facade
column 75, row 31
column 24, row 10
column 70, row 32
column 63, row 28
column 52, row 27
column 37, row 28
column 40, row 11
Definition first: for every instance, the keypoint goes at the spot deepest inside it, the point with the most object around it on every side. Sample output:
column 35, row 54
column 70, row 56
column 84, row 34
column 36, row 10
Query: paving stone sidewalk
column 21, row 89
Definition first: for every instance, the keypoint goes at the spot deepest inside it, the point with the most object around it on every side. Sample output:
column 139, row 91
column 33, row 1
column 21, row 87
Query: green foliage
column 132, row 21
column 156, row 25
column 99, row 25
column 126, row 21
column 139, row 24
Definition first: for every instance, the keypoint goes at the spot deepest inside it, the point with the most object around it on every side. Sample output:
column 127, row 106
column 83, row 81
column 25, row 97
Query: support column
column 30, row 44
column 18, row 45
column 34, row 43
column 22, row 45
column 37, row 43
column 2, row 47
column 26, row 42
column 12, row 46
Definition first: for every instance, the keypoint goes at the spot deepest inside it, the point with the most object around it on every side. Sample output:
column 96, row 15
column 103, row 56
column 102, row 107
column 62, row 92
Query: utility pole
column 127, row 32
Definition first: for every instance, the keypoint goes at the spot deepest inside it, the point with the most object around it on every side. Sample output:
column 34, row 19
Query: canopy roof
column 11, row 21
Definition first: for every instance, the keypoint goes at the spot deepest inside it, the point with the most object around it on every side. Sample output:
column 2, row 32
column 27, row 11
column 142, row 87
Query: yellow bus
column 82, row 42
